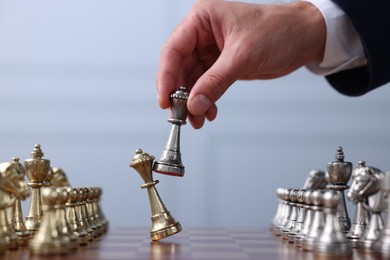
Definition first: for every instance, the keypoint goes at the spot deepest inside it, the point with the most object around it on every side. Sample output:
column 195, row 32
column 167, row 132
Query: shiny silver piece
column 308, row 218
column 301, row 212
column 317, row 225
column 281, row 218
column 367, row 185
column 338, row 174
column 332, row 240
column 361, row 217
column 170, row 159
column 382, row 246
column 290, row 224
column 315, row 180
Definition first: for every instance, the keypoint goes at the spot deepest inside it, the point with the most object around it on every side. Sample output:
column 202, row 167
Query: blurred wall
column 78, row 77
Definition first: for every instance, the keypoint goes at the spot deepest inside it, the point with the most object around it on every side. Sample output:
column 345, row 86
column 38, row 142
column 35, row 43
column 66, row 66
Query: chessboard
column 191, row 243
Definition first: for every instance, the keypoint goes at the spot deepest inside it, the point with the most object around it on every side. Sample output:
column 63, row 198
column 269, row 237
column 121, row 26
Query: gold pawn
column 73, row 219
column 48, row 239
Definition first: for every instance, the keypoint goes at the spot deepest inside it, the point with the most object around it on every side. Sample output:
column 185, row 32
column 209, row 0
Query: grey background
column 78, row 77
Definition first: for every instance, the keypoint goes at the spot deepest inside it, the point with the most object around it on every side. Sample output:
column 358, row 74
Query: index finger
column 178, row 47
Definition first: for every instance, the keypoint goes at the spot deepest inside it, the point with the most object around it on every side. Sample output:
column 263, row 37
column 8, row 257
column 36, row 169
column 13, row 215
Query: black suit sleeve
column 371, row 18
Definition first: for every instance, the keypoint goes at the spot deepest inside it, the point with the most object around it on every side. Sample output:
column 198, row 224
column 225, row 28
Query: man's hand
column 220, row 42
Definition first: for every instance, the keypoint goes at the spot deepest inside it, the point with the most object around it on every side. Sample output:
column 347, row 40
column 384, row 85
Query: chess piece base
column 166, row 232
column 168, row 169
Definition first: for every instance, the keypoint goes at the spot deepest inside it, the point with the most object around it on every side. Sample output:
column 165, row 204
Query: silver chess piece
column 163, row 224
column 317, row 223
column 332, row 240
column 338, row 174
column 307, row 204
column 285, row 212
column 382, row 245
column 366, row 185
column 315, row 180
column 361, row 216
column 170, row 161
column 290, row 224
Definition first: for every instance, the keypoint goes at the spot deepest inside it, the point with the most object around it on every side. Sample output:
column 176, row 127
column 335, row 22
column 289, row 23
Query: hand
column 220, row 42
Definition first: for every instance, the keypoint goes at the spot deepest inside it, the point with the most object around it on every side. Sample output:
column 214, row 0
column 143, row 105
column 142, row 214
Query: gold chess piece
column 98, row 209
column 83, row 222
column 15, row 173
column 8, row 238
column 170, row 160
column 59, row 178
column 37, row 171
column 163, row 224
column 72, row 217
column 48, row 239
column 62, row 223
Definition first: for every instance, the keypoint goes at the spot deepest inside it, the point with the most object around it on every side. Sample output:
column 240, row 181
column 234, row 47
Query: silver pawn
column 332, row 240
column 317, row 224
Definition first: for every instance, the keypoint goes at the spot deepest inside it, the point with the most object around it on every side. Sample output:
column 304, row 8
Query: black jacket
column 371, row 18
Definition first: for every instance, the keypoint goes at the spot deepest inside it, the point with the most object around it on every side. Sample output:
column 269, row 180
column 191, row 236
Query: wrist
column 312, row 31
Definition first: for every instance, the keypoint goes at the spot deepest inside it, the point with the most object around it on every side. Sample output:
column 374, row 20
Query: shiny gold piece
column 88, row 218
column 98, row 209
column 62, row 223
column 163, row 224
column 93, row 219
column 81, row 214
column 38, row 174
column 85, row 211
column 59, row 178
column 48, row 239
column 8, row 238
column 72, row 218
column 14, row 186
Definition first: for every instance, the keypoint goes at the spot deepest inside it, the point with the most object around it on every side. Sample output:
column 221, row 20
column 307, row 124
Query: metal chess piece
column 48, row 239
column 62, row 223
column 59, row 178
column 98, row 209
column 317, row 225
column 280, row 211
column 37, row 170
column 315, row 180
column 338, row 174
column 290, row 224
column 332, row 240
column 366, row 185
column 361, row 216
column 15, row 173
column 72, row 218
column 382, row 245
column 163, row 224
column 8, row 238
column 170, row 160
column 301, row 213
column 307, row 204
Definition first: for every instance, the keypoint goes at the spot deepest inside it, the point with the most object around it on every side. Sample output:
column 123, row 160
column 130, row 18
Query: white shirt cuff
column 343, row 48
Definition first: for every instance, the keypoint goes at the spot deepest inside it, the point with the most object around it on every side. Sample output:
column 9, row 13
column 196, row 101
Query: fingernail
column 199, row 104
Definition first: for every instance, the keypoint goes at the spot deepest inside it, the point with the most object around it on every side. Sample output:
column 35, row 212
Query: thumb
column 213, row 84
